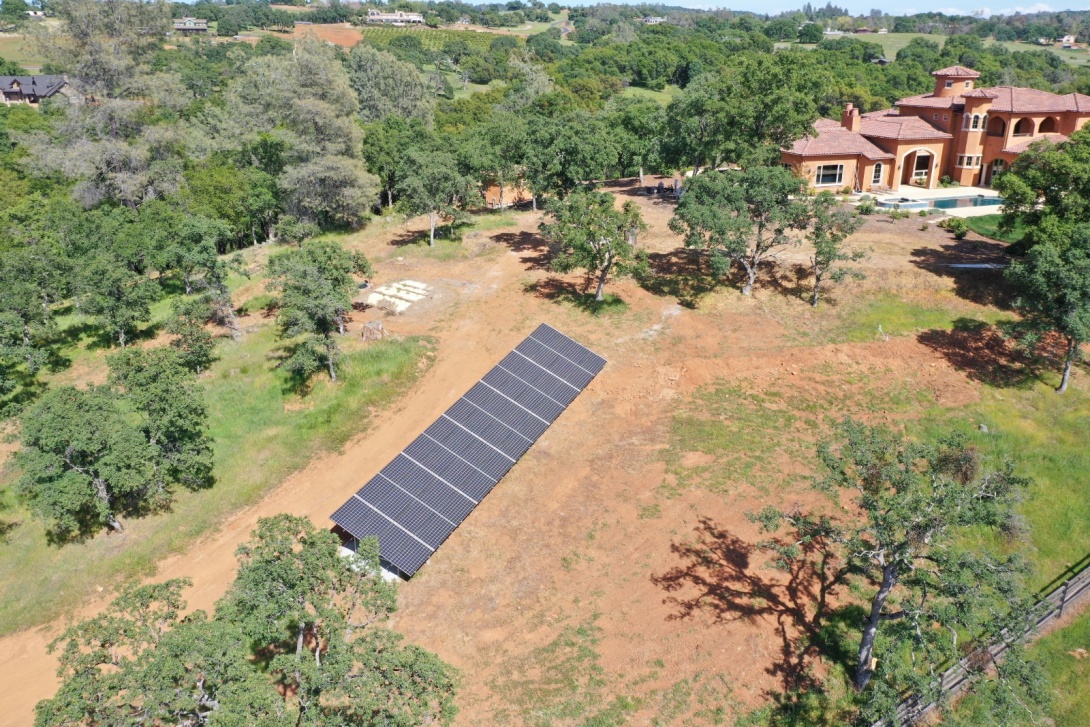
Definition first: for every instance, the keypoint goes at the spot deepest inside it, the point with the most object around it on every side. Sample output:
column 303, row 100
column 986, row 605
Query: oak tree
column 741, row 217
column 1052, row 284
column 590, row 233
column 830, row 227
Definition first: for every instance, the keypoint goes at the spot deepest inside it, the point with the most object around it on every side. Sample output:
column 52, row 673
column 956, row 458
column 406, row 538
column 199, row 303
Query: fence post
column 1063, row 598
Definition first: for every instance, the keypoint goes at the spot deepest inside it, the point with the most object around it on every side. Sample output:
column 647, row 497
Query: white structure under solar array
column 418, row 499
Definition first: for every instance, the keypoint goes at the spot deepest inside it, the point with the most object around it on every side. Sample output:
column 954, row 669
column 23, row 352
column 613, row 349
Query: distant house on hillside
column 882, row 31
column 399, row 17
column 187, row 26
column 830, row 31
column 36, row 14
column 1069, row 42
column 29, row 89
column 653, row 20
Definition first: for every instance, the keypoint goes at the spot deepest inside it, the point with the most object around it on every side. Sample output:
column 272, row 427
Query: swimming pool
column 941, row 203
column 949, row 203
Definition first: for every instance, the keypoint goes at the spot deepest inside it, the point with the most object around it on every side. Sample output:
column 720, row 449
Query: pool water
column 947, row 203
column 941, row 203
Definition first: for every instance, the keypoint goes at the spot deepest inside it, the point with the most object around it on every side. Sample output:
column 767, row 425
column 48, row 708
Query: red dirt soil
column 499, row 587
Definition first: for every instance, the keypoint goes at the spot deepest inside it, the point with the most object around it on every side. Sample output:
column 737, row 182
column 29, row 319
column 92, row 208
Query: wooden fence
column 1072, row 584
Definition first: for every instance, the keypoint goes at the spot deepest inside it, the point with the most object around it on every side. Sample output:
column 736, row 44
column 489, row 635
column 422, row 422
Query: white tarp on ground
column 397, row 297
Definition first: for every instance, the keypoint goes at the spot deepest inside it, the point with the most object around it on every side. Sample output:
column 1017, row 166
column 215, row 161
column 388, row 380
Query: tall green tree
column 119, row 298
column 742, row 217
column 297, row 640
column 193, row 341
column 590, row 233
column 831, row 225
column 1052, row 284
column 315, row 287
column 767, row 102
column 141, row 658
column 157, row 385
column 1047, row 188
column 639, row 126
column 916, row 530
column 431, row 184
column 85, row 463
column 386, row 86
column 319, row 611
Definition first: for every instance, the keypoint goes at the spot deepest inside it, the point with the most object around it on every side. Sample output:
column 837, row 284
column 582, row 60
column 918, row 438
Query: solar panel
column 414, row 503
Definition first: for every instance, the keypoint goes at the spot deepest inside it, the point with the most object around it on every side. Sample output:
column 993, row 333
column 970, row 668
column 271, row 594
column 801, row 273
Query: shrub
column 957, row 226
column 866, row 206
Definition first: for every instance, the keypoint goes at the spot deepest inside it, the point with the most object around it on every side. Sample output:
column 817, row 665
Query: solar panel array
column 416, row 501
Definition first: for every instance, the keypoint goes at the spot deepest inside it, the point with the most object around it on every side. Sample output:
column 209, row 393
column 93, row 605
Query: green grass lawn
column 664, row 96
column 988, row 226
column 262, row 432
column 21, row 50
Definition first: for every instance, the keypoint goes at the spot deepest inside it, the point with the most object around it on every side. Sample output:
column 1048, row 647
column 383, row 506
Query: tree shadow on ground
column 982, row 353
column 683, row 273
column 982, row 285
column 718, row 578
column 565, row 291
column 536, row 252
column 793, row 280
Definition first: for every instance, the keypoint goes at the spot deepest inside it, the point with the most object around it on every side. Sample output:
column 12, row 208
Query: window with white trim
column 829, row 174
column 976, row 122
column 876, row 177
column 968, row 83
column 946, row 117
column 935, row 117
column 965, row 121
column 949, row 84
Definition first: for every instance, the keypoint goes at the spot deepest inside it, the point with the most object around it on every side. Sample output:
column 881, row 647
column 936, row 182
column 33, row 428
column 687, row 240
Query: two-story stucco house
column 966, row 133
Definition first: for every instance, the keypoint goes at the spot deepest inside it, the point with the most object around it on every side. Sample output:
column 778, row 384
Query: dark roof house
column 29, row 89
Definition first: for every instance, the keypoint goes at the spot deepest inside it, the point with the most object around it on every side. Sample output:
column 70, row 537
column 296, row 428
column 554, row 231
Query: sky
column 907, row 7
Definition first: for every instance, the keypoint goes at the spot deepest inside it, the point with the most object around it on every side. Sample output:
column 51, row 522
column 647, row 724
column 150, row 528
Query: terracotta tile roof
column 956, row 71
column 832, row 139
column 931, row 101
column 1018, row 100
column 891, row 125
column 1023, row 145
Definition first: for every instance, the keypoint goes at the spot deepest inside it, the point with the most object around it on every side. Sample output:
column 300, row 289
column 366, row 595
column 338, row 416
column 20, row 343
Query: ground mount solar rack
column 416, row 501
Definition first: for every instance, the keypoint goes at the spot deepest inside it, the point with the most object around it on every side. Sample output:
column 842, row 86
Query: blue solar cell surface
column 420, row 497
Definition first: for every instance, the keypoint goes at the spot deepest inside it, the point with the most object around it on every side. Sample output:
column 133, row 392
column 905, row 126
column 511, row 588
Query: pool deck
column 922, row 195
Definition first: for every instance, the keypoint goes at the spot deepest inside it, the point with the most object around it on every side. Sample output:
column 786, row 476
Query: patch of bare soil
column 569, row 532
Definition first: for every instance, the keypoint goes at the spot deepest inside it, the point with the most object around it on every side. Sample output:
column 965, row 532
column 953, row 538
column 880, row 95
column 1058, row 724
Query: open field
column 20, row 49
column 612, row 574
column 347, row 35
column 664, row 97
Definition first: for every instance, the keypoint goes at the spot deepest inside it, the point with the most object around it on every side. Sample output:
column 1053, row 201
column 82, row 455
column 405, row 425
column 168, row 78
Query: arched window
column 984, row 122
column 1048, row 126
column 876, row 177
column 976, row 121
column 1024, row 127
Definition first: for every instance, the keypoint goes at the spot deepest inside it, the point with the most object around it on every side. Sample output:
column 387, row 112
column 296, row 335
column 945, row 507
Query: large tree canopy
column 297, row 640
column 1047, row 188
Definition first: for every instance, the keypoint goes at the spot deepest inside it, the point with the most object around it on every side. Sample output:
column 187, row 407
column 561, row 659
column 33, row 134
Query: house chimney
column 850, row 118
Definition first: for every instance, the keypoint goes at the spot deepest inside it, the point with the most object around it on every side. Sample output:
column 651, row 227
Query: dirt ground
column 344, row 34
column 579, row 527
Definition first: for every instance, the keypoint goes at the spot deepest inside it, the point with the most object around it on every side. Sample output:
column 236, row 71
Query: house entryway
column 916, row 168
